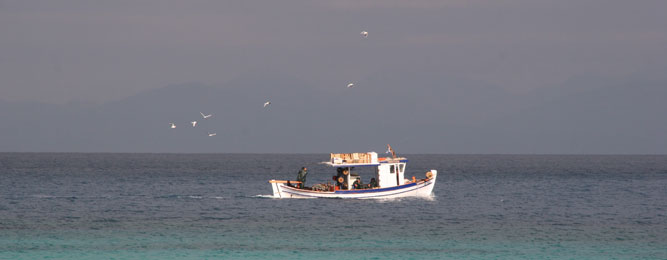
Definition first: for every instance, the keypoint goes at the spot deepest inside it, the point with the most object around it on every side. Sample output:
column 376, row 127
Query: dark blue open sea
column 174, row 206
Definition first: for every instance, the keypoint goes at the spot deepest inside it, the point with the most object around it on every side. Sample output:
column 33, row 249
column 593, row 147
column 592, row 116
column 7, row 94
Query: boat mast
column 393, row 154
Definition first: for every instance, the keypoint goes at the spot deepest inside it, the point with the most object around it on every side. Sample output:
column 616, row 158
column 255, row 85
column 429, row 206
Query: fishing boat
column 388, row 179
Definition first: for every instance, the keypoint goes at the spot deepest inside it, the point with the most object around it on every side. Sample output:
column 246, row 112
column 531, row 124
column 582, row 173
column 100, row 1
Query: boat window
column 400, row 167
column 391, row 169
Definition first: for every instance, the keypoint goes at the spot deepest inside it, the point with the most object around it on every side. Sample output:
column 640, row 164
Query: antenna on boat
column 393, row 154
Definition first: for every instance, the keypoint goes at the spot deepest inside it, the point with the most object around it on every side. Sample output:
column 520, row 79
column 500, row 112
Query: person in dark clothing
column 302, row 176
column 373, row 184
column 358, row 185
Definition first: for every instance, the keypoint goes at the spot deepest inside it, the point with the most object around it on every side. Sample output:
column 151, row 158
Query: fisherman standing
column 302, row 176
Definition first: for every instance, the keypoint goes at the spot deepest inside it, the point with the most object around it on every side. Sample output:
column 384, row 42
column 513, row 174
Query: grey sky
column 93, row 51
column 463, row 76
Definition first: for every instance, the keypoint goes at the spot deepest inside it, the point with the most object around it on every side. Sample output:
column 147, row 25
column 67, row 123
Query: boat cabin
column 389, row 172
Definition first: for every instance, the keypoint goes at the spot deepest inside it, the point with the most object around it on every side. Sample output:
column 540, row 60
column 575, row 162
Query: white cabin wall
column 401, row 173
column 386, row 179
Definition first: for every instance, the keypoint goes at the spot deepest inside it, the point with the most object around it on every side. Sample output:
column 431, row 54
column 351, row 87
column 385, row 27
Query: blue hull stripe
column 375, row 190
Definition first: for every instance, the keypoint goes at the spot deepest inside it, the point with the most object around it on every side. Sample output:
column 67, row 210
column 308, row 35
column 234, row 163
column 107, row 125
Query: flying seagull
column 267, row 103
column 364, row 33
column 194, row 123
column 172, row 125
column 350, row 85
column 211, row 134
column 205, row 116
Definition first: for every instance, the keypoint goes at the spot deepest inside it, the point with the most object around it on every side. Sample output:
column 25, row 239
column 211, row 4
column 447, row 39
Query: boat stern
column 278, row 187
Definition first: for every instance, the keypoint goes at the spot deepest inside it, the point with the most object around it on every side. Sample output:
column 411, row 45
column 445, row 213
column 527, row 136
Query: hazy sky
column 99, row 51
column 433, row 76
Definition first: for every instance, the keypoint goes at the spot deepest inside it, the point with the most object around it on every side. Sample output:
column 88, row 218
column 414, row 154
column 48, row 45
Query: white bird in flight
column 364, row 33
column 205, row 116
column 172, row 125
column 267, row 103
column 194, row 123
column 350, row 85
column 211, row 134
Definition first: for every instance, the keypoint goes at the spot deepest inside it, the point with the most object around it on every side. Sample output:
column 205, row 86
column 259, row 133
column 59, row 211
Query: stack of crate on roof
column 350, row 158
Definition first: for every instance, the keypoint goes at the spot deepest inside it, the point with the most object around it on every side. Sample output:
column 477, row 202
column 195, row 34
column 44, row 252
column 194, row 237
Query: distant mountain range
column 416, row 112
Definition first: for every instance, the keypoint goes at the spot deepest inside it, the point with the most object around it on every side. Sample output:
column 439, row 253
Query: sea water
column 174, row 206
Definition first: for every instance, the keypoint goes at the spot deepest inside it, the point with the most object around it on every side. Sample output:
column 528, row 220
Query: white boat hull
column 421, row 188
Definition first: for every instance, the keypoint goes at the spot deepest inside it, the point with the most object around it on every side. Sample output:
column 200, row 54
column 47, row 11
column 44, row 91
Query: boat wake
column 264, row 196
column 400, row 199
column 196, row 197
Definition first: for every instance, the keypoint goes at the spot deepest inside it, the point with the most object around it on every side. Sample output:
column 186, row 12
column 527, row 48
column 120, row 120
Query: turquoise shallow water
column 175, row 206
